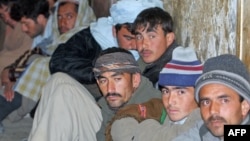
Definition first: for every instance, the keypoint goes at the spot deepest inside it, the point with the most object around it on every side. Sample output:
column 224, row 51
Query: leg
column 7, row 107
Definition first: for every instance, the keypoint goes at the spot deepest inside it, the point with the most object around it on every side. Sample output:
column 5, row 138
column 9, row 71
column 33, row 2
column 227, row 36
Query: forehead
column 67, row 7
column 27, row 20
column 216, row 90
column 113, row 74
column 148, row 28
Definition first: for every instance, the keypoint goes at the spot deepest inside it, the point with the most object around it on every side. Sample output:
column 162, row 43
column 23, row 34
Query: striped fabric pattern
column 182, row 70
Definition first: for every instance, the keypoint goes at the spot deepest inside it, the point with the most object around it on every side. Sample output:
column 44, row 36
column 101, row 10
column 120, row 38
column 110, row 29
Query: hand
column 7, row 85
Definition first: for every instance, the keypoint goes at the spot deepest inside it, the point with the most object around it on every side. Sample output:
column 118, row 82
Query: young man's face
column 66, row 17
column 118, row 88
column 5, row 16
column 125, row 38
column 178, row 101
column 221, row 105
column 151, row 44
column 31, row 27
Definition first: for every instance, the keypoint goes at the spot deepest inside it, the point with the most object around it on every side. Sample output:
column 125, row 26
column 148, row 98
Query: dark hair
column 152, row 17
column 128, row 26
column 30, row 9
column 114, row 49
column 4, row 2
column 66, row 2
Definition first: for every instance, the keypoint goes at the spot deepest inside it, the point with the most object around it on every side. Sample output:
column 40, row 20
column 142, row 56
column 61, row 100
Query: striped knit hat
column 182, row 70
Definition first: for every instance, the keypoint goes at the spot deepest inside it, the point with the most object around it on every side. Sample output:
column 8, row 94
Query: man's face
column 66, row 17
column 31, row 27
column 5, row 16
column 151, row 44
column 117, row 88
column 221, row 105
column 125, row 38
column 178, row 101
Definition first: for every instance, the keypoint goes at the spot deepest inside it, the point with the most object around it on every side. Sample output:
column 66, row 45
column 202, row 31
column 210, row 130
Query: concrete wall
column 213, row 27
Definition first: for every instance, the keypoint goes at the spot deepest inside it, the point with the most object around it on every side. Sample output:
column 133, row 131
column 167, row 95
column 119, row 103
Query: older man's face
column 118, row 88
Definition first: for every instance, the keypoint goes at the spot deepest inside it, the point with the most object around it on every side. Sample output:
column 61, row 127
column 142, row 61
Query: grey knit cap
column 116, row 62
column 228, row 70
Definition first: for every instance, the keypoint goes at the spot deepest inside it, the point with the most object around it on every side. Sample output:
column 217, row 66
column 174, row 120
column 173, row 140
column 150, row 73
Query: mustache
column 215, row 117
column 113, row 94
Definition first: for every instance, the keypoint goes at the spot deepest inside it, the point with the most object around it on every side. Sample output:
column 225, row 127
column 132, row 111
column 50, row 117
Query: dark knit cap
column 228, row 70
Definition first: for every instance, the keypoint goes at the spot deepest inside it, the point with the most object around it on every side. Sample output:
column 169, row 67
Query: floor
column 16, row 131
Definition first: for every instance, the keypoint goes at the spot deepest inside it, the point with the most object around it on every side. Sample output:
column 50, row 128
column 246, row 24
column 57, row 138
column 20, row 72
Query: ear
column 40, row 19
column 245, row 107
column 114, row 31
column 170, row 37
column 136, row 80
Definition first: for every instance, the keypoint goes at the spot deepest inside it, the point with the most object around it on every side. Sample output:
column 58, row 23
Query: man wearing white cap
column 122, row 15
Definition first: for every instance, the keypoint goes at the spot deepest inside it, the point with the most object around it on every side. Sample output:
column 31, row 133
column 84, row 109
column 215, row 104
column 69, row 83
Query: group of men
column 99, row 88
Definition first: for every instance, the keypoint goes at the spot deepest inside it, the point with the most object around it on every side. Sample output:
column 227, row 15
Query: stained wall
column 209, row 26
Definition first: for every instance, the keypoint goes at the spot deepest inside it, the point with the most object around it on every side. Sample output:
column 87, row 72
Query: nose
column 133, row 45
column 111, row 87
column 214, row 108
column 24, row 28
column 63, row 22
column 141, row 45
column 172, row 99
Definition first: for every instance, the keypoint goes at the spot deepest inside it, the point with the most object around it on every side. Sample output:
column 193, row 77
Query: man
column 69, row 7
column 122, row 16
column 223, row 93
column 119, row 79
column 176, row 82
column 155, row 41
column 83, row 48
column 33, row 23
column 15, row 41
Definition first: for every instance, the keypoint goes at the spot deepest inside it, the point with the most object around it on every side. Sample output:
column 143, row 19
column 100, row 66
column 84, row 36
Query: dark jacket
column 76, row 57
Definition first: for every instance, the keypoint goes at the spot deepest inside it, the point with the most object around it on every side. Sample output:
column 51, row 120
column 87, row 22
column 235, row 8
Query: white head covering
column 102, row 32
column 125, row 11
column 84, row 17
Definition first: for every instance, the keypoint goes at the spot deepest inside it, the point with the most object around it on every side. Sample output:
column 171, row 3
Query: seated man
column 176, row 82
column 84, row 45
column 155, row 41
column 119, row 79
column 63, row 12
column 223, row 94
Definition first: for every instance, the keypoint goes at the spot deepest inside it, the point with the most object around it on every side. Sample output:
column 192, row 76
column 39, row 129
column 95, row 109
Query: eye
column 69, row 17
column 102, row 81
column 151, row 36
column 181, row 91
column 138, row 37
column 204, row 102
column 224, row 100
column 164, row 91
column 117, row 78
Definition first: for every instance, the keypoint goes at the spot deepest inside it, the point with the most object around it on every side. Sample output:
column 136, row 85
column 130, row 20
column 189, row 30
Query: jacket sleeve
column 134, row 113
column 17, row 68
column 76, row 57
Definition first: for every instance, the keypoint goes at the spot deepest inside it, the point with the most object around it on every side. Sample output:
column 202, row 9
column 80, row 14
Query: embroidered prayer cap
column 228, row 70
column 125, row 11
column 117, row 60
column 182, row 70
